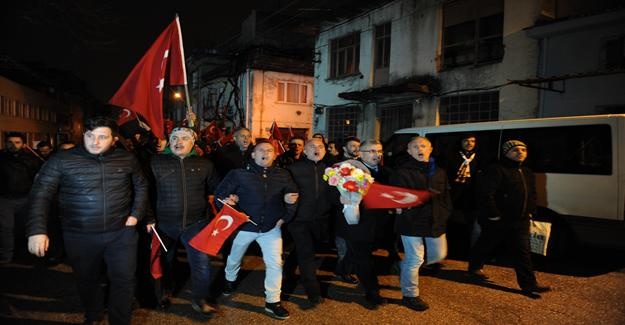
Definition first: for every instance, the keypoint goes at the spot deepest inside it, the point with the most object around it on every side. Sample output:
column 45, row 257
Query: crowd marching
column 99, row 205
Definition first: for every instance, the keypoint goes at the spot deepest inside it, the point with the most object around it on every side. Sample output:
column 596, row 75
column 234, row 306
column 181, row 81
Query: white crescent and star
column 229, row 222
column 127, row 111
column 400, row 197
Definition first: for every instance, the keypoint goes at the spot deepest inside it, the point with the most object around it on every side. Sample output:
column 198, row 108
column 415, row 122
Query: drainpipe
column 248, row 97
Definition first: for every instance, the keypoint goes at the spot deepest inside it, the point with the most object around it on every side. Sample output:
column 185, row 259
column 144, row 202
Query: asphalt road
column 588, row 288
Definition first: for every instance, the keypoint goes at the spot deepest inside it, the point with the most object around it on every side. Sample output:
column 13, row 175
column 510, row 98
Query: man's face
column 315, row 150
column 243, row 139
column 468, row 144
column 14, row 144
column 297, row 145
column 162, row 144
column 372, row 154
column 45, row 151
column 351, row 149
column 518, row 154
column 332, row 149
column 264, row 154
column 181, row 143
column 420, row 149
column 98, row 140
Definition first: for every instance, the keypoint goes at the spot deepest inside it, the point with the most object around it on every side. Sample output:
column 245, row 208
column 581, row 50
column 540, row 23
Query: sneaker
column 374, row 302
column 415, row 303
column 229, row 287
column 276, row 310
column 477, row 274
column 347, row 278
column 202, row 307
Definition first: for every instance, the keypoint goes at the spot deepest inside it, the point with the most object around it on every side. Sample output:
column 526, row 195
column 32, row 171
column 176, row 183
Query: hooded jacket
column 96, row 193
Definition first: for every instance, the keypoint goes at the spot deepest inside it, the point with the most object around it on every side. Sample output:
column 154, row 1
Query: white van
column 579, row 164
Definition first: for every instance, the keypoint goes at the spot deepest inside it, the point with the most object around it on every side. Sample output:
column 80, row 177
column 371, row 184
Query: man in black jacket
column 17, row 171
column 102, row 194
column 260, row 190
column 422, row 228
column 507, row 203
column 183, row 182
column 234, row 155
column 310, row 224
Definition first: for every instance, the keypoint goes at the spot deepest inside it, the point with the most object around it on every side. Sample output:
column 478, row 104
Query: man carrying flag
column 142, row 92
column 267, row 194
column 183, row 182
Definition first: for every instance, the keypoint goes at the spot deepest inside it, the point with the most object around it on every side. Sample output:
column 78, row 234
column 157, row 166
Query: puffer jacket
column 508, row 192
column 430, row 219
column 261, row 195
column 315, row 195
column 96, row 193
column 182, row 188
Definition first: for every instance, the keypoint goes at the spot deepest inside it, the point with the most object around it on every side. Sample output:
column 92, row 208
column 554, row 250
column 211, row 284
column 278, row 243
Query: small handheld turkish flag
column 210, row 239
column 389, row 197
column 155, row 257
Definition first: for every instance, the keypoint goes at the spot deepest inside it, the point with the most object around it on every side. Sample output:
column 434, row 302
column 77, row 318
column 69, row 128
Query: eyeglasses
column 373, row 151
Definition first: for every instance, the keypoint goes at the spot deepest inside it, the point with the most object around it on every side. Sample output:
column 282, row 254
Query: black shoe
column 415, row 303
column 374, row 302
column 477, row 274
column 276, row 310
column 163, row 304
column 229, row 287
column 52, row 261
column 314, row 301
column 347, row 278
column 534, row 292
column 202, row 307
column 431, row 269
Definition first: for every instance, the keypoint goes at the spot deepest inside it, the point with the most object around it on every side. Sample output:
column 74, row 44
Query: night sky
column 100, row 41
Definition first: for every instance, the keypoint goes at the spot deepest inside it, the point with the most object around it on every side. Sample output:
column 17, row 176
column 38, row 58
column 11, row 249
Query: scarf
column 464, row 172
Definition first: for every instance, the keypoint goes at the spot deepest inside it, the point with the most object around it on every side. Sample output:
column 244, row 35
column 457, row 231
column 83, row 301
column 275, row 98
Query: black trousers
column 306, row 235
column 516, row 236
column 362, row 258
column 86, row 254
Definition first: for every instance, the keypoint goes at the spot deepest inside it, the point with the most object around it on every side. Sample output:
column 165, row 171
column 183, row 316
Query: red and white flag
column 210, row 239
column 388, row 197
column 276, row 138
column 156, row 268
column 142, row 92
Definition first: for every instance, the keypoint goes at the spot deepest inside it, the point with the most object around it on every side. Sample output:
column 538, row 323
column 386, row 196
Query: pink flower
column 333, row 180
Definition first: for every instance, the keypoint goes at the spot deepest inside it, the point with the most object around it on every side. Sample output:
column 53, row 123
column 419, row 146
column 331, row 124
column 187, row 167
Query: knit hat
column 508, row 145
column 183, row 130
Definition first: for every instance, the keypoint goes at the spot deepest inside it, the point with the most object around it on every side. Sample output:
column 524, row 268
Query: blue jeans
column 199, row 262
column 271, row 245
column 417, row 251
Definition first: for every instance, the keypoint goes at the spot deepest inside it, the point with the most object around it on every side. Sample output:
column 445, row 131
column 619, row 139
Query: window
column 479, row 107
column 345, row 55
column 382, row 45
column 343, row 122
column 393, row 118
column 613, row 53
column 290, row 92
column 473, row 32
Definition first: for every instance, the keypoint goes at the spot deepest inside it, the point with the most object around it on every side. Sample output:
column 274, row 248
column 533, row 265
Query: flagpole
column 248, row 217
column 187, row 100
column 158, row 237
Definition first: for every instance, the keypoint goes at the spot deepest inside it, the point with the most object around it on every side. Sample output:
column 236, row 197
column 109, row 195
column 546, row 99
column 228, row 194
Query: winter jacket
column 261, row 195
column 182, row 188
column 17, row 171
column 509, row 192
column 430, row 219
column 96, row 193
column 315, row 195
column 231, row 157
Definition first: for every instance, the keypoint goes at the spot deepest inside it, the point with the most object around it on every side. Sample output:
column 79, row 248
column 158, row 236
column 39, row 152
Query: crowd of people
column 103, row 197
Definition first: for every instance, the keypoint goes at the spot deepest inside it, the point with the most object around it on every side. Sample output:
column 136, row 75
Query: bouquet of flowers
column 353, row 183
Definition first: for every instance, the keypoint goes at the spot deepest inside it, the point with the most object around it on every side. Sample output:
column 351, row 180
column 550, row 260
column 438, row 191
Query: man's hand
column 291, row 198
column 38, row 244
column 149, row 226
column 279, row 223
column 131, row 221
column 232, row 199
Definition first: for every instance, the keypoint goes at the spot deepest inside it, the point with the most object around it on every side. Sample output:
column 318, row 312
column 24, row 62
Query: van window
column 581, row 149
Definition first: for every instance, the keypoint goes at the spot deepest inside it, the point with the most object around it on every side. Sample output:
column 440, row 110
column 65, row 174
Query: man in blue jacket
column 102, row 194
column 260, row 190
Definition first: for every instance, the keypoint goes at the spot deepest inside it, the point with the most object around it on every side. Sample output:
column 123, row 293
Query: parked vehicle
column 579, row 164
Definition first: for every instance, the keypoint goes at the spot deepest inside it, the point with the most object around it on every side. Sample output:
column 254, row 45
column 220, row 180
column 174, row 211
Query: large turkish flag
column 388, row 197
